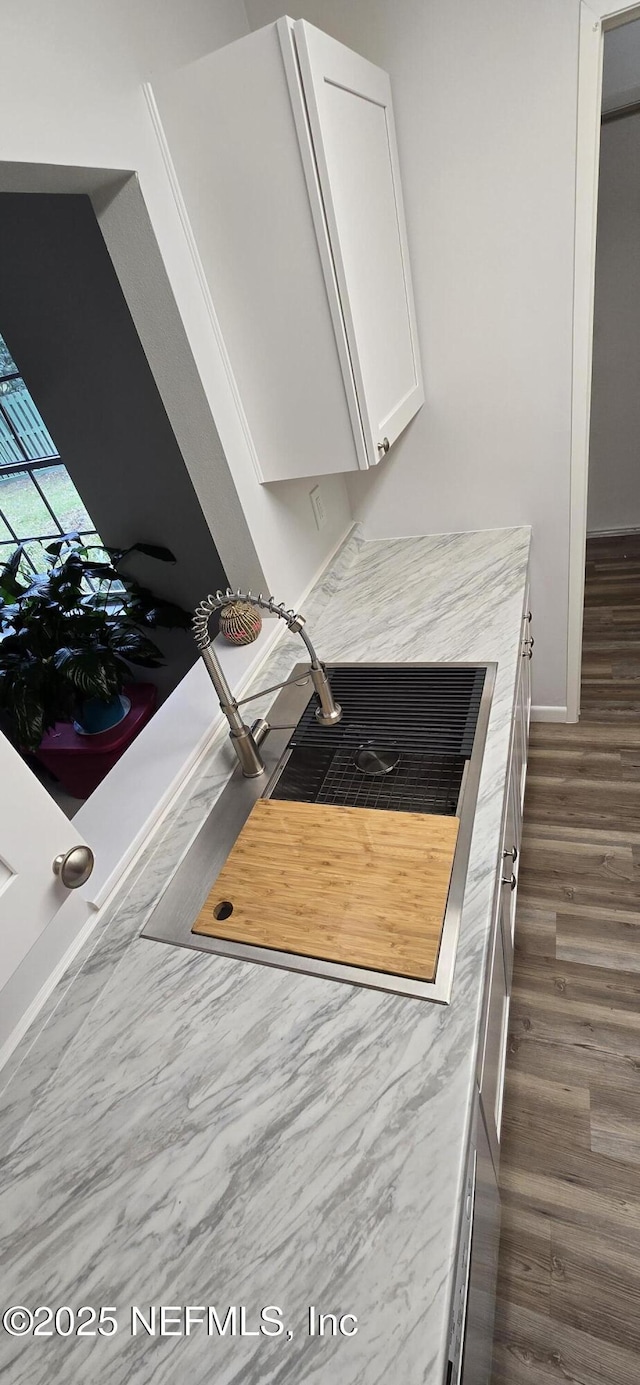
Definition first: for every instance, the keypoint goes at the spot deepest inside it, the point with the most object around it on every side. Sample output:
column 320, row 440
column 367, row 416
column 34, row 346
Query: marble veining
column 186, row 1129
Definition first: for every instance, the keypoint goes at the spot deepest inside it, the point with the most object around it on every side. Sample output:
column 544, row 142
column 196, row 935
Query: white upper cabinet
column 283, row 154
column 351, row 120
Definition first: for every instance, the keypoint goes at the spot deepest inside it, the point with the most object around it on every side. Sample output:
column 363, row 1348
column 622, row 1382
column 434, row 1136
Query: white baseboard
column 549, row 714
column 613, row 533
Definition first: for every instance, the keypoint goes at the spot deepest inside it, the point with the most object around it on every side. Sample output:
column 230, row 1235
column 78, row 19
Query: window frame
column 30, row 466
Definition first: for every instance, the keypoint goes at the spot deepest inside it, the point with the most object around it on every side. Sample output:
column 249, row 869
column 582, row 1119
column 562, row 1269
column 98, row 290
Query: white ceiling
column 621, row 77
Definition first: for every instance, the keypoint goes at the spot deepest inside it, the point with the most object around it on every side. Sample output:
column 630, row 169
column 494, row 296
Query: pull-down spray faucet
column 246, row 740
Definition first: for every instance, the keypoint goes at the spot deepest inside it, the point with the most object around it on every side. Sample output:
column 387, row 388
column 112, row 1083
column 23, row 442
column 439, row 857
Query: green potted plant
column 69, row 635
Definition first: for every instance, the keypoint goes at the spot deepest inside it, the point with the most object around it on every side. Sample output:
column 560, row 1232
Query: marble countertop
column 181, row 1129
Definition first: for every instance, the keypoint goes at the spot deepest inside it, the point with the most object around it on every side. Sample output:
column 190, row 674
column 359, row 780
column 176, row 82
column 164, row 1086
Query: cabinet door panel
column 495, row 1043
column 478, row 1347
column 528, row 642
column 518, row 760
column 510, row 865
column 356, row 141
column 351, row 118
column 523, row 702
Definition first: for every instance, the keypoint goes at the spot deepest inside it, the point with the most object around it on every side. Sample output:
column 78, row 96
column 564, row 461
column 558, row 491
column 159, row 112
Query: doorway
column 614, row 475
column 611, row 666
column 597, row 20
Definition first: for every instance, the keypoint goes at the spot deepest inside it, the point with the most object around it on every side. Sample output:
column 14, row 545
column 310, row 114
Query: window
column 38, row 500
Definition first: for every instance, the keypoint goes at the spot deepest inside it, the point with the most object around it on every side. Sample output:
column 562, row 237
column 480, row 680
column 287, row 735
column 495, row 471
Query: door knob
column 74, row 867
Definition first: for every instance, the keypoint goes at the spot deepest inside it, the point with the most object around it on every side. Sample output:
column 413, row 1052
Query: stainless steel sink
column 411, row 739
column 419, row 720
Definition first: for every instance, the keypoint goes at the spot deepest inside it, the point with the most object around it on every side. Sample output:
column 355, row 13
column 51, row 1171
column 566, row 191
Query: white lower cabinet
column 496, row 1010
column 474, row 1296
column 474, row 1366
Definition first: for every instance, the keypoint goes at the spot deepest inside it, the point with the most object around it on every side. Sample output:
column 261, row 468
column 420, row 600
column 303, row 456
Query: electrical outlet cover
column 317, row 505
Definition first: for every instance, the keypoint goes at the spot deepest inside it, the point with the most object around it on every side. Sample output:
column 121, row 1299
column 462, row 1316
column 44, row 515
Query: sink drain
column 376, row 762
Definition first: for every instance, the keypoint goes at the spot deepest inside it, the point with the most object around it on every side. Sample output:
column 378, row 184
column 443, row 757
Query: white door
column 33, row 832
column 352, row 127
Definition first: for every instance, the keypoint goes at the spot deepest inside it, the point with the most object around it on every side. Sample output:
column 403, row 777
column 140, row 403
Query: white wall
column 71, row 94
column 485, row 97
column 485, row 102
column 614, row 457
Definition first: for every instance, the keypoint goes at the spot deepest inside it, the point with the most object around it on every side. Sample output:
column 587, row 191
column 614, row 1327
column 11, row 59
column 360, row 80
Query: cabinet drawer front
column 351, row 119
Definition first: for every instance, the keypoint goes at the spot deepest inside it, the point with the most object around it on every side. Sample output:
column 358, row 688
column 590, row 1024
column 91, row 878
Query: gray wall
column 621, row 70
column 614, row 459
column 66, row 321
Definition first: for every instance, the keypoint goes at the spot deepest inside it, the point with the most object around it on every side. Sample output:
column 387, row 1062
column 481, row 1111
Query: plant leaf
column 133, row 645
column 154, row 550
column 28, row 716
column 10, row 586
column 91, row 671
column 104, row 571
column 164, row 614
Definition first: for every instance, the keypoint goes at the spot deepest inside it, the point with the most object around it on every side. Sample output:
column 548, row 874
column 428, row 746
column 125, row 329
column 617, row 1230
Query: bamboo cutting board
column 361, row 886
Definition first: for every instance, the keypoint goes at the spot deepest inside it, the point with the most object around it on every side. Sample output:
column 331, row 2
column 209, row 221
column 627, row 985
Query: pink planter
column 80, row 763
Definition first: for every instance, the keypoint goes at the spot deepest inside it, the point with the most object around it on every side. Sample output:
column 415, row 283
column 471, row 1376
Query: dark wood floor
column 569, row 1279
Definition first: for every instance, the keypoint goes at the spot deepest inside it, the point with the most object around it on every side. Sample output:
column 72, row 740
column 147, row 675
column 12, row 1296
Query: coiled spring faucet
column 246, row 740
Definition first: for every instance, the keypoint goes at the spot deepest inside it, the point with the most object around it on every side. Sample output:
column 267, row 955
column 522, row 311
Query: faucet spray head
column 328, row 712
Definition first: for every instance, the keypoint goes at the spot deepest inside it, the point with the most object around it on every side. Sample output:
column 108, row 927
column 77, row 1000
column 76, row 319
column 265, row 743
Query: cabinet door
column 509, row 874
column 485, row 1245
column 528, row 642
column 517, row 762
column 352, row 128
column 523, row 704
column 495, row 1041
column 33, row 832
column 231, row 128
